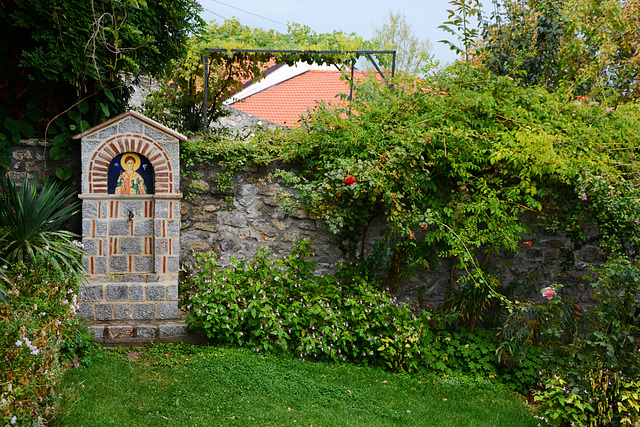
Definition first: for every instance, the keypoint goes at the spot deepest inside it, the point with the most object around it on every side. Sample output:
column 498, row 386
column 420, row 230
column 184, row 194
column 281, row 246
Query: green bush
column 612, row 329
column 283, row 305
column 40, row 337
column 473, row 353
column 594, row 395
column 594, row 371
column 30, row 221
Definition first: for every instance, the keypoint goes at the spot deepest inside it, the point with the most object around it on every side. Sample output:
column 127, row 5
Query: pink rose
column 548, row 292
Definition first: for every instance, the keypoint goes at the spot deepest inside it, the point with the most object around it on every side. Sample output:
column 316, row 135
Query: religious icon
column 130, row 181
column 130, row 173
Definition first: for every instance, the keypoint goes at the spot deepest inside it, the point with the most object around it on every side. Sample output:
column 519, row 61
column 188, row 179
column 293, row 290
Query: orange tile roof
column 267, row 68
column 285, row 102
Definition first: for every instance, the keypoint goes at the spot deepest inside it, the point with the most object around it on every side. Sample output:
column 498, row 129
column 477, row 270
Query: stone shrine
column 130, row 192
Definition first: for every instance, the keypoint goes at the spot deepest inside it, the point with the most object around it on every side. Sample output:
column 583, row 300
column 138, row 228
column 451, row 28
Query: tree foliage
column 396, row 33
column 459, row 24
column 67, row 61
column 588, row 47
column 452, row 164
column 180, row 98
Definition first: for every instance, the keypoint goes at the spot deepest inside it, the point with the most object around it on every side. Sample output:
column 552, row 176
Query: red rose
column 350, row 180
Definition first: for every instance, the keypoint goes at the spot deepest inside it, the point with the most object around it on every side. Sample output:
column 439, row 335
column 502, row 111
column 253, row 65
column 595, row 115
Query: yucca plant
column 3, row 278
column 29, row 222
column 3, row 264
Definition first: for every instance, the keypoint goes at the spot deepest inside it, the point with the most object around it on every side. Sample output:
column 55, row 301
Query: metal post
column 205, row 61
column 353, row 66
column 393, row 68
column 375, row 64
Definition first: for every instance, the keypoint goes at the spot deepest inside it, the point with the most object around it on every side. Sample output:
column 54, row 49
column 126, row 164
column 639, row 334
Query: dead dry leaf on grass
column 134, row 355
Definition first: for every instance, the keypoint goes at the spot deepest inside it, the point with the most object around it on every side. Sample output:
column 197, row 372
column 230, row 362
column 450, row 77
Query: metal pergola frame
column 367, row 53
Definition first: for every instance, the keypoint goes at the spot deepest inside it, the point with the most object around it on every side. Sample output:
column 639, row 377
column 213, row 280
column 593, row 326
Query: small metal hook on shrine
column 130, row 215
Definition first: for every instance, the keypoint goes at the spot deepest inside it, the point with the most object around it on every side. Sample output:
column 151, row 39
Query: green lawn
column 181, row 385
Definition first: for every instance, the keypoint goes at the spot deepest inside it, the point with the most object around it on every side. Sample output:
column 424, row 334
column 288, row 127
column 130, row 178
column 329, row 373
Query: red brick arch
column 135, row 143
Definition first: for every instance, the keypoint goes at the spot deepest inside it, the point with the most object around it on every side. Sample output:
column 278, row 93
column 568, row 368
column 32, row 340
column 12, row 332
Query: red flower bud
column 424, row 227
column 350, row 180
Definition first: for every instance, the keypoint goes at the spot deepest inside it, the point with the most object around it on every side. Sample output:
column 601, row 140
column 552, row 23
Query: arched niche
column 165, row 175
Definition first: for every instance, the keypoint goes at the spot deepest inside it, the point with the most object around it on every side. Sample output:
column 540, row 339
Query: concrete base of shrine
column 138, row 333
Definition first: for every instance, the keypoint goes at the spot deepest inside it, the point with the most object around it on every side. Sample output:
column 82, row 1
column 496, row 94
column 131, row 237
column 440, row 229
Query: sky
column 326, row 16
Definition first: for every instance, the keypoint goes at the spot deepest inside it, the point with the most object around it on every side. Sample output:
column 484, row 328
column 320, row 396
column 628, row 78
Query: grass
column 182, row 385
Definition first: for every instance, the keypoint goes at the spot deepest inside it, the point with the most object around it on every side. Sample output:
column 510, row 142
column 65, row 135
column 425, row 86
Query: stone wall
column 30, row 159
column 236, row 222
column 241, row 121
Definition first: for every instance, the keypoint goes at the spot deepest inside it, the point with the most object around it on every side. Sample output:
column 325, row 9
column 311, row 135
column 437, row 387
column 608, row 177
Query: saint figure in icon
column 130, row 181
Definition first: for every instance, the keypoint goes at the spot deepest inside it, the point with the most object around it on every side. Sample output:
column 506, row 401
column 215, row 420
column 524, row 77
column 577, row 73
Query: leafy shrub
column 28, row 224
column 473, row 353
column 472, row 157
column 601, row 396
column 596, row 374
column 283, row 306
column 612, row 324
column 277, row 305
column 611, row 204
column 39, row 338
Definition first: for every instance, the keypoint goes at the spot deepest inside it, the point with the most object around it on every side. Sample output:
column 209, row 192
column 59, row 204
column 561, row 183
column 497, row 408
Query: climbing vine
column 178, row 101
column 452, row 164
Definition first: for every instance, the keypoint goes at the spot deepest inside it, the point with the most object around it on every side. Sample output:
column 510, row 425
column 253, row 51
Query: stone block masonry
column 239, row 220
column 131, row 241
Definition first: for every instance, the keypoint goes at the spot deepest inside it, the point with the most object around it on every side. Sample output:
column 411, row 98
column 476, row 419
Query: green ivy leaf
column 12, row 125
column 105, row 109
column 60, row 140
column 57, row 153
column 83, row 107
column 74, row 115
column 33, row 112
column 109, row 95
column 63, row 173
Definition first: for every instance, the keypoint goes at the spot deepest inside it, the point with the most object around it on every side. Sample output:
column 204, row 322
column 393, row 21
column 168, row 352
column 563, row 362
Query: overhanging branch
column 357, row 53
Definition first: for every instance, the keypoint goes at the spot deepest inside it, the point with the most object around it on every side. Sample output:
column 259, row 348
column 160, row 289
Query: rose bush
column 452, row 163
